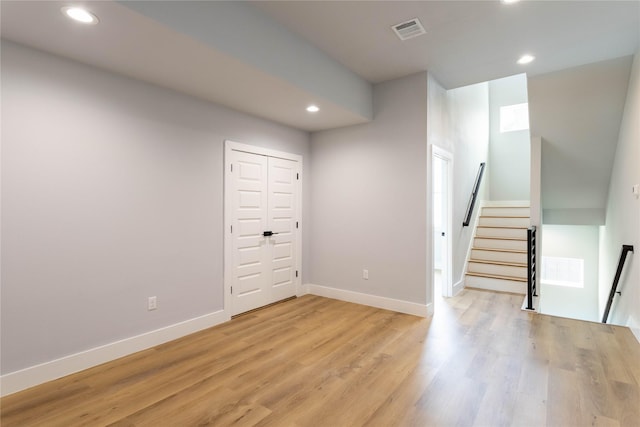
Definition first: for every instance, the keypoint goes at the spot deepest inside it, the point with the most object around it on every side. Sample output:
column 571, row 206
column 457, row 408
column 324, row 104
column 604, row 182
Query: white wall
column 623, row 214
column 438, row 120
column 509, row 152
column 572, row 241
column 370, row 198
column 468, row 133
column 577, row 113
column 111, row 192
column 535, row 197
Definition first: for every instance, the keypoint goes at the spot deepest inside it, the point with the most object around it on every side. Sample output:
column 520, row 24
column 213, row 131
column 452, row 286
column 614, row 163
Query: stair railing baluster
column 532, row 288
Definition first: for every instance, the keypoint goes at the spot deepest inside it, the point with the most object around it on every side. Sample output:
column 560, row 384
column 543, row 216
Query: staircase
column 498, row 259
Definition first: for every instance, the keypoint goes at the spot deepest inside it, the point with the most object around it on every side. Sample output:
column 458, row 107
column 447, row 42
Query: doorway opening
column 441, row 205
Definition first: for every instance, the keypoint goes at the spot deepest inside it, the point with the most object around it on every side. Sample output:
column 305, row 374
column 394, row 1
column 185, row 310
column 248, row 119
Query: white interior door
column 442, row 175
column 262, row 216
column 250, row 255
column 439, row 218
column 282, row 222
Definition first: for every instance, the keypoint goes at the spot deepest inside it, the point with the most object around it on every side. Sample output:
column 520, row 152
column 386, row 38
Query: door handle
column 443, row 234
column 268, row 233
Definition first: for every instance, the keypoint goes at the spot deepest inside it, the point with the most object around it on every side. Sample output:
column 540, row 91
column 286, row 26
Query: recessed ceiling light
column 509, row 1
column 80, row 15
column 525, row 59
column 313, row 108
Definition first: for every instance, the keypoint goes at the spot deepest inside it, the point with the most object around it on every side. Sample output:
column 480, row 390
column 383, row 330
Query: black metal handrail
column 532, row 288
column 474, row 195
column 614, row 287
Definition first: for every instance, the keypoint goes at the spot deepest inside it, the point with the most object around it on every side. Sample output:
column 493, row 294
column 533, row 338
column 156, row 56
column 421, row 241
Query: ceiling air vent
column 409, row 29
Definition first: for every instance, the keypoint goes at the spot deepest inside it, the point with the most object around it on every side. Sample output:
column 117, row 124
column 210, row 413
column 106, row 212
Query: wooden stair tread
column 499, row 219
column 515, row 251
column 505, row 263
column 504, row 216
column 495, row 276
column 503, row 226
column 501, row 238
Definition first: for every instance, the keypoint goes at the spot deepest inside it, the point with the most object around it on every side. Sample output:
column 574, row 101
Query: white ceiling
column 129, row 43
column 580, row 131
column 466, row 42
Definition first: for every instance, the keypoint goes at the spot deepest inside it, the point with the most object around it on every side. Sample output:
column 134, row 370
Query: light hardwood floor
column 313, row 361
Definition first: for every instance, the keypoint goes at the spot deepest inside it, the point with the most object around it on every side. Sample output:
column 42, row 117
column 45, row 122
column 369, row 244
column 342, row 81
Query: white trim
column 429, row 310
column 304, row 289
column 636, row 333
column 254, row 149
column 458, row 286
column 447, row 156
column 48, row 371
column 372, row 300
column 228, row 215
column 536, row 304
column 465, row 267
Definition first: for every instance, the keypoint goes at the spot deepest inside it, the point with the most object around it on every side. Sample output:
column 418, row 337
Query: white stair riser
column 498, row 256
column 520, row 233
column 479, row 242
column 498, row 270
column 510, row 211
column 496, row 284
column 504, row 222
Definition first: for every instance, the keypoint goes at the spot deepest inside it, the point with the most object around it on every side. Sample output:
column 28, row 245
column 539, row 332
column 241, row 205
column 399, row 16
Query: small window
column 563, row 271
column 514, row 117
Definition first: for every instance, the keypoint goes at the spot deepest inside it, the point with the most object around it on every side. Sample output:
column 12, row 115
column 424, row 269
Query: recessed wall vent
column 409, row 29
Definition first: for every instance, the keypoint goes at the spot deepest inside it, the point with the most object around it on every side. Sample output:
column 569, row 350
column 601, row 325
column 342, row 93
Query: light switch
column 636, row 190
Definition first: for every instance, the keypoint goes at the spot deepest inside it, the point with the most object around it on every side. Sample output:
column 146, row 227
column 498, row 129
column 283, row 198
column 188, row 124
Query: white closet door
column 264, row 230
column 250, row 255
column 282, row 221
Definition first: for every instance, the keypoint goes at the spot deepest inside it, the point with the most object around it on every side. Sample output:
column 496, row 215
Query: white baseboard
column 536, row 305
column 636, row 333
column 465, row 267
column 372, row 300
column 304, row 289
column 38, row 374
column 458, row 287
column 429, row 310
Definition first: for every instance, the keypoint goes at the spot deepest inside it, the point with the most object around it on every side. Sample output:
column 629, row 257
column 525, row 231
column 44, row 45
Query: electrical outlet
column 365, row 274
column 152, row 303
